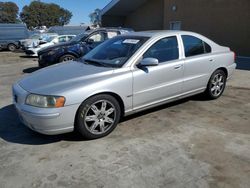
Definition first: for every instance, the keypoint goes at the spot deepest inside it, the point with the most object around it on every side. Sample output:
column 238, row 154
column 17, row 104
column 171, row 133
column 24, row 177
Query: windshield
column 115, row 52
column 35, row 37
column 49, row 38
column 79, row 38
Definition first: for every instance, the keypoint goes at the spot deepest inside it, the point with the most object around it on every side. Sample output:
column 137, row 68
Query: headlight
column 45, row 101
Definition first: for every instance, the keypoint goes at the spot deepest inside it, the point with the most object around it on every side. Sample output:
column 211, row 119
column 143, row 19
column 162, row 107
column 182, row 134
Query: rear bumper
column 231, row 70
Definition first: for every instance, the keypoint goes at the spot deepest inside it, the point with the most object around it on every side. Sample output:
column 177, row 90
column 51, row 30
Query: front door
column 157, row 83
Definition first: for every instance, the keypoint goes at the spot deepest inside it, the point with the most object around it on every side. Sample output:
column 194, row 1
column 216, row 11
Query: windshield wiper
column 90, row 61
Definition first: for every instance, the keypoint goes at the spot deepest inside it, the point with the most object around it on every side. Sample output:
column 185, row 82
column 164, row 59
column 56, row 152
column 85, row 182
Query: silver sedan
column 120, row 77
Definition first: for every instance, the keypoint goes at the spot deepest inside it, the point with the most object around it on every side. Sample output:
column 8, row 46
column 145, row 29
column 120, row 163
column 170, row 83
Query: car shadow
column 243, row 63
column 30, row 70
column 27, row 57
column 13, row 131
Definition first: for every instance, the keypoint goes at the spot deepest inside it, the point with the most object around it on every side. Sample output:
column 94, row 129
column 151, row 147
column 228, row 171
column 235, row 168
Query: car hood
column 58, row 78
column 65, row 44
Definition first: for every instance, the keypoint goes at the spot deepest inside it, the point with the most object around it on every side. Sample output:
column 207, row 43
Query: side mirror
column 149, row 62
column 90, row 41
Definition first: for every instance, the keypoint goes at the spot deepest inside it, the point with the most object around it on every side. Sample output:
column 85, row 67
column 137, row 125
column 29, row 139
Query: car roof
column 155, row 33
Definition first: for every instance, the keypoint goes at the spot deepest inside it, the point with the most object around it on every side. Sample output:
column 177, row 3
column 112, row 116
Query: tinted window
column 194, row 46
column 97, row 37
column 164, row 50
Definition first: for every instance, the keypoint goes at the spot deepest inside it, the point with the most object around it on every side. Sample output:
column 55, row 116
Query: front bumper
column 49, row 121
column 46, row 60
column 31, row 52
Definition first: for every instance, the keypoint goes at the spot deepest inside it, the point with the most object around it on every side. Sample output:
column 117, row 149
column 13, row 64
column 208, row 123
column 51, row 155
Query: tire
column 67, row 57
column 95, row 119
column 216, row 85
column 12, row 47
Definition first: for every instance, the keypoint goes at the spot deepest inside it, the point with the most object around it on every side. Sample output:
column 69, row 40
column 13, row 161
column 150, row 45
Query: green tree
column 95, row 17
column 8, row 12
column 48, row 14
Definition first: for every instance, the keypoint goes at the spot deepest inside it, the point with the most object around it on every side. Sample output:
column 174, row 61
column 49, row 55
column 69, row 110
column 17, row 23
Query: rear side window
column 194, row 46
column 164, row 50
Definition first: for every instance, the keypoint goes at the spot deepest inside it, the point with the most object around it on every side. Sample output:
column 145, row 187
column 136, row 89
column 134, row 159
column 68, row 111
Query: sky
column 79, row 8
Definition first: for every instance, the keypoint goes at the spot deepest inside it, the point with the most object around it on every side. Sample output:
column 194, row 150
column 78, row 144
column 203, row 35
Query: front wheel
column 67, row 57
column 98, row 116
column 216, row 85
column 12, row 47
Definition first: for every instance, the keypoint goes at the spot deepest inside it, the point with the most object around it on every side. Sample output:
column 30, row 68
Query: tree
column 8, row 12
column 44, row 14
column 95, row 17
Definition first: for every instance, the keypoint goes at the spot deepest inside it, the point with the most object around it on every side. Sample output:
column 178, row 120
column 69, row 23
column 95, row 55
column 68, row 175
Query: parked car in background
column 78, row 46
column 68, row 29
column 10, row 34
column 49, row 41
column 122, row 76
column 35, row 39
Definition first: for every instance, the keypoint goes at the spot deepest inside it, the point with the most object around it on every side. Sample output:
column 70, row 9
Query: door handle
column 211, row 60
column 177, row 67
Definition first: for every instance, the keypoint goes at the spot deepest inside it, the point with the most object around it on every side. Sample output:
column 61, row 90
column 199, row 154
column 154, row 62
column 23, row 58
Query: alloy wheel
column 100, row 117
column 217, row 85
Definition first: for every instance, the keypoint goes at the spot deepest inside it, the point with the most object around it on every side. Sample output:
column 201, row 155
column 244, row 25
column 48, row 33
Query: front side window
column 164, row 50
column 97, row 37
column 194, row 46
column 63, row 39
column 116, row 51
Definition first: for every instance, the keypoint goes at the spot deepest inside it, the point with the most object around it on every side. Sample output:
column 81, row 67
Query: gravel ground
column 189, row 143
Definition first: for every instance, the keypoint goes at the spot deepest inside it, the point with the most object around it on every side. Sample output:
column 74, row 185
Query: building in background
column 224, row 21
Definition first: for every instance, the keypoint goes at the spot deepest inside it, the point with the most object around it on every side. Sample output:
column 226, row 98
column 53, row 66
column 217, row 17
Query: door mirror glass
column 149, row 62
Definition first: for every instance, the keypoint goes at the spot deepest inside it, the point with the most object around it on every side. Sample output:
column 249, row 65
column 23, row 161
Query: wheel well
column 12, row 44
column 117, row 97
column 68, row 53
column 224, row 70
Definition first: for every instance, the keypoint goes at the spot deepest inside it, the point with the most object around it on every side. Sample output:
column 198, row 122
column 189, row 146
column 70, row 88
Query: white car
column 49, row 41
column 34, row 40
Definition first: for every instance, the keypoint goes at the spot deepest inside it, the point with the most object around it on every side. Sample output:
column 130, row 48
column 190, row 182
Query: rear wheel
column 98, row 116
column 67, row 57
column 216, row 85
column 12, row 47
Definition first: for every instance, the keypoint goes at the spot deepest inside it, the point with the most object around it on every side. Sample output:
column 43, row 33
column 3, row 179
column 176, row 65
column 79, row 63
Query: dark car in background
column 68, row 29
column 78, row 46
column 10, row 34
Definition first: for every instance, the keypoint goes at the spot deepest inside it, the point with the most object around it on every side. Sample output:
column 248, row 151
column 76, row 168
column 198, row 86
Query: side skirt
column 164, row 101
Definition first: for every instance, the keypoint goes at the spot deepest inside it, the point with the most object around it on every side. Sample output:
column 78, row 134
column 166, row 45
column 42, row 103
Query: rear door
column 157, row 83
column 198, row 63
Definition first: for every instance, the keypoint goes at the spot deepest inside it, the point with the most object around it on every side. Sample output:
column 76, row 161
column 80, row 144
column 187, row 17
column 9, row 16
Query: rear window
column 195, row 46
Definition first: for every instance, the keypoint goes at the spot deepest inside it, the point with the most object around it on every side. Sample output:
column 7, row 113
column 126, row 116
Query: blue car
column 78, row 46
